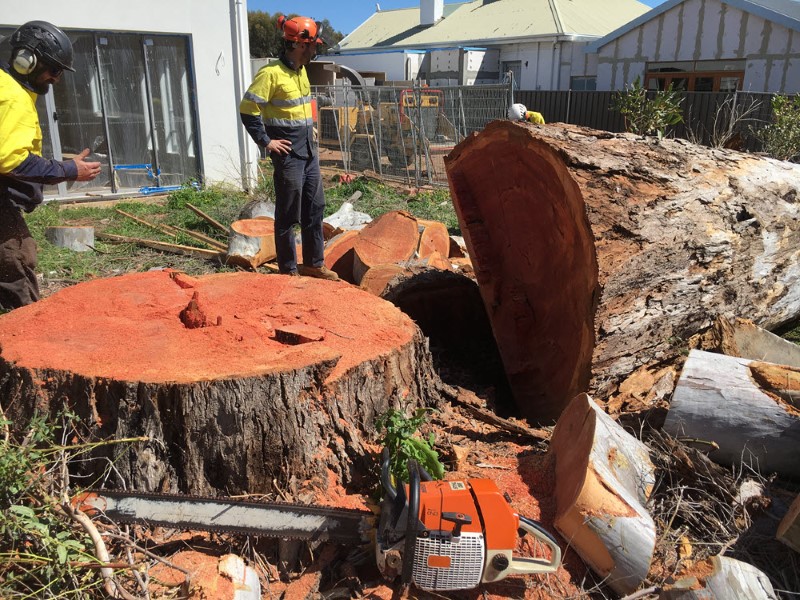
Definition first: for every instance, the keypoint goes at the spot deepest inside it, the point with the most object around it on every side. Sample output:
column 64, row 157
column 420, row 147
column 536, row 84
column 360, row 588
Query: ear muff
column 24, row 61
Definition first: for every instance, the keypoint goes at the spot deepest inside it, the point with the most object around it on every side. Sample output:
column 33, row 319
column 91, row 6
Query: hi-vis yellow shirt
column 282, row 97
column 20, row 133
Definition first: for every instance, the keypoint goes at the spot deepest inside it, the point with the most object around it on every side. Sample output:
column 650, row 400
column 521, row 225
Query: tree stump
column 598, row 253
column 196, row 365
column 79, row 239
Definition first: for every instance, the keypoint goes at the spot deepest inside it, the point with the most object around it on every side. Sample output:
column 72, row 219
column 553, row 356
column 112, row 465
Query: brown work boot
column 322, row 272
column 290, row 273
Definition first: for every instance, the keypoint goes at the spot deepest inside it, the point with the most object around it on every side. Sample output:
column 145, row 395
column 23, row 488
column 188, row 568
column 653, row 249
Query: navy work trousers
column 18, row 283
column 299, row 199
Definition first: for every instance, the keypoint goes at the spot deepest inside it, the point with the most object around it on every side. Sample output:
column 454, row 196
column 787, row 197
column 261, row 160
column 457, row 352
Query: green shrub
column 781, row 138
column 645, row 116
column 401, row 437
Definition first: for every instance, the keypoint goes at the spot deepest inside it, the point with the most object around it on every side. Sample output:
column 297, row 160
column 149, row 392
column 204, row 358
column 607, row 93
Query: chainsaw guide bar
column 265, row 519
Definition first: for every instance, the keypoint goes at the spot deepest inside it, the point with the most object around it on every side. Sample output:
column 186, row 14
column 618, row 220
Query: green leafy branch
column 401, row 436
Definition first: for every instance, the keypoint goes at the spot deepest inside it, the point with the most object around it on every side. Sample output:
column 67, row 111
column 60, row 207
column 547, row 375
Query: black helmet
column 46, row 41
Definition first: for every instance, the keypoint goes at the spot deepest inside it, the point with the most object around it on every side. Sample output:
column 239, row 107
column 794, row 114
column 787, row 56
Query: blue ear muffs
column 24, row 61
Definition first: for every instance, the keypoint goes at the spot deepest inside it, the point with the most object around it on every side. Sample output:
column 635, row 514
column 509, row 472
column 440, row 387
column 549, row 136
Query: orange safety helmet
column 300, row 29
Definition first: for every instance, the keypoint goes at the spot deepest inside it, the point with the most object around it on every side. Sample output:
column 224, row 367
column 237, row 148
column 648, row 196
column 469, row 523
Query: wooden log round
column 198, row 365
column 378, row 277
column 251, row 242
column 721, row 577
column 748, row 408
column 339, row 254
column 603, row 480
column 391, row 238
column 598, row 253
column 433, row 237
column 79, row 239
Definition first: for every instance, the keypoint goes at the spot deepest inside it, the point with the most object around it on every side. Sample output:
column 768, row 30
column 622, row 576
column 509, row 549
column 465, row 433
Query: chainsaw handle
column 412, row 522
column 526, row 566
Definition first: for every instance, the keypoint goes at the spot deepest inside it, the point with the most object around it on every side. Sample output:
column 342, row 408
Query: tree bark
column 598, row 253
column 198, row 366
column 603, row 480
column 747, row 408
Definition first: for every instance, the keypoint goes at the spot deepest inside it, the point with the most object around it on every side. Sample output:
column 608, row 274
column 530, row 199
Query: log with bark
column 721, row 578
column 604, row 478
column 745, row 339
column 251, row 242
column 747, row 408
column 198, row 365
column 598, row 253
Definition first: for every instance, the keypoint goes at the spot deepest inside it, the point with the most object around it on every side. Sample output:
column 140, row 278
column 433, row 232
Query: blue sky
column 346, row 15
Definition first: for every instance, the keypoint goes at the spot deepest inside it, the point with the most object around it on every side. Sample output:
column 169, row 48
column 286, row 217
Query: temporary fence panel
column 402, row 132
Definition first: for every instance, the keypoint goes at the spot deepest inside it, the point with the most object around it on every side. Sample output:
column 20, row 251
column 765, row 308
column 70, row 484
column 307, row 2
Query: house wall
column 549, row 65
column 220, row 59
column 398, row 65
column 706, row 30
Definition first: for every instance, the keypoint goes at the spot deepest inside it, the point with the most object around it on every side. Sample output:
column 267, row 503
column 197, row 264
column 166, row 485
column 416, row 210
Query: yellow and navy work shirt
column 277, row 105
column 22, row 168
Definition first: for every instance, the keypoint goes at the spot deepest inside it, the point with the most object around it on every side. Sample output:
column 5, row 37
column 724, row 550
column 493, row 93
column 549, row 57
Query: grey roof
column 490, row 22
column 783, row 12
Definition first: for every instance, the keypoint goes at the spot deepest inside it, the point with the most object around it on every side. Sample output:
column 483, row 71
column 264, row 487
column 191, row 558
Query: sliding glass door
column 130, row 101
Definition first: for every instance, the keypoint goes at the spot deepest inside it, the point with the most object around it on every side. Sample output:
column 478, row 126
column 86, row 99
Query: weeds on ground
column 42, row 553
column 401, row 435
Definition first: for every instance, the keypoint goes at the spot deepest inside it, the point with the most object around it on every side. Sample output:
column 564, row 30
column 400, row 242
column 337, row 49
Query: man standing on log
column 276, row 111
column 40, row 53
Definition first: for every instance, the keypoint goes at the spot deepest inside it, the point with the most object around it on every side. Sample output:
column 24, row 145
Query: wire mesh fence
column 402, row 132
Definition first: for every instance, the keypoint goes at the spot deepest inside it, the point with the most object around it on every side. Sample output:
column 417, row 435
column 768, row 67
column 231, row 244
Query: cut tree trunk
column 598, row 253
column 721, row 578
column 376, row 280
column 391, row 238
column 748, row 408
column 251, row 242
column 433, row 237
column 79, row 239
column 603, row 480
column 197, row 366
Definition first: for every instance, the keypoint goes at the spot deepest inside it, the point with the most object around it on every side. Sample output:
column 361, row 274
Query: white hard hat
column 516, row 112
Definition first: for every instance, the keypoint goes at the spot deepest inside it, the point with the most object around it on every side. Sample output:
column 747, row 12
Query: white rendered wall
column 398, row 65
column 221, row 61
column 706, row 30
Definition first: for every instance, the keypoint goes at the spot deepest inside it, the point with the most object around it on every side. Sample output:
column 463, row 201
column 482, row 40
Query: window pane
column 720, row 65
column 671, row 67
column 729, row 84
column 704, row 84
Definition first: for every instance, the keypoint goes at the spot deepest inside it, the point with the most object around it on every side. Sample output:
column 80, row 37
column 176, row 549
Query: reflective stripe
column 248, row 95
column 288, row 122
column 292, row 102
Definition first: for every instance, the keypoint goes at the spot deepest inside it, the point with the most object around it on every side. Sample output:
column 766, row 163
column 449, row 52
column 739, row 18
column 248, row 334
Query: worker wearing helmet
column 518, row 112
column 40, row 53
column 276, row 111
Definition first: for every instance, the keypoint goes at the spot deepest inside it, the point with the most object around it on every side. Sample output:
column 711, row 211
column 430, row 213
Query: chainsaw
column 438, row 535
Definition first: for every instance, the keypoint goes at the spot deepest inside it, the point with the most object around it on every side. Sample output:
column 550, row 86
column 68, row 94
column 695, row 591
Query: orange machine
column 454, row 535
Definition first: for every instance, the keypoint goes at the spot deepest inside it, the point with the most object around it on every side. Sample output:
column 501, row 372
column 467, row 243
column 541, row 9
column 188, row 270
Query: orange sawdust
column 129, row 327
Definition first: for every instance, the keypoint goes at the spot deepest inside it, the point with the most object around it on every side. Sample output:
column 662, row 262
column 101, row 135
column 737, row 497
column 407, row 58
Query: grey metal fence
column 709, row 118
column 402, row 132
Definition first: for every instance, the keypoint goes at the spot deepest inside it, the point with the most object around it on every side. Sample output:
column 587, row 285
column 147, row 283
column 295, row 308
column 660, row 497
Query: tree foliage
column 645, row 115
column 781, row 138
column 266, row 40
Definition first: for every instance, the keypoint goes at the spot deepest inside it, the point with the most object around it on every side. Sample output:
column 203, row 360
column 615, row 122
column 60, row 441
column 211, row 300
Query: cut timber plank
column 251, row 242
column 391, row 238
column 744, row 406
column 163, row 246
column 207, row 218
column 604, row 477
